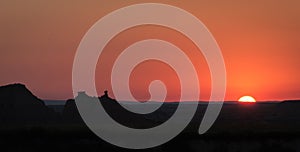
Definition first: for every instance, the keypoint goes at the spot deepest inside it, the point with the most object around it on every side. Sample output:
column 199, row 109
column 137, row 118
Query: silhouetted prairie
column 27, row 124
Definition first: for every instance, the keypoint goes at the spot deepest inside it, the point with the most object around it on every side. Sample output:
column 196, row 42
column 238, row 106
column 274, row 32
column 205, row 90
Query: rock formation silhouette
column 19, row 106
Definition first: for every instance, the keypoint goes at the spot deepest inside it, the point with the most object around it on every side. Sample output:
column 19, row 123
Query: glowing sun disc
column 247, row 99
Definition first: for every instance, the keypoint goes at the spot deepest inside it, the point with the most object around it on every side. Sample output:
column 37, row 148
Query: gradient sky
column 260, row 42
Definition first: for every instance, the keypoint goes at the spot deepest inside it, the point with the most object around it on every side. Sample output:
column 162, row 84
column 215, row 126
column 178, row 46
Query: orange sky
column 260, row 42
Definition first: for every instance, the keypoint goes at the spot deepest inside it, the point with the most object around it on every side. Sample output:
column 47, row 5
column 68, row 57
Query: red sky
column 260, row 42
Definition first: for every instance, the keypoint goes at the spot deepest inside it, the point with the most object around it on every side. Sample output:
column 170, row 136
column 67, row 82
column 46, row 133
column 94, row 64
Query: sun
column 247, row 99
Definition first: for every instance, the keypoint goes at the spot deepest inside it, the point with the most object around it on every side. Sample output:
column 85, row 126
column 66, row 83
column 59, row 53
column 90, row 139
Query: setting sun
column 247, row 99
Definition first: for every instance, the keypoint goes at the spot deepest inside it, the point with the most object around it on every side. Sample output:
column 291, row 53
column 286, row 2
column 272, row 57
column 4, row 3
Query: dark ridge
column 70, row 113
column 290, row 101
column 17, row 92
column 125, row 117
column 19, row 106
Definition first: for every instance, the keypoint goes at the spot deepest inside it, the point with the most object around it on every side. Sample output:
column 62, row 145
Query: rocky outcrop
column 19, row 106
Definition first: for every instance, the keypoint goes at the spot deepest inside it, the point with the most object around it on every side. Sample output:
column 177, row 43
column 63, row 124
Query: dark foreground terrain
column 27, row 124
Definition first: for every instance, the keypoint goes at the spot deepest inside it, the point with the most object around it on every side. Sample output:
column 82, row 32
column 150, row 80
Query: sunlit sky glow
column 259, row 40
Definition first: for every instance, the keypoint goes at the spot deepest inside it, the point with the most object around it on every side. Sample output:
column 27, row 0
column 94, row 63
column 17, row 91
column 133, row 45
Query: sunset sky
column 260, row 42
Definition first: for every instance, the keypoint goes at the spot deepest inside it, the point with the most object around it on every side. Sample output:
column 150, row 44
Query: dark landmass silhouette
column 27, row 124
column 290, row 101
column 19, row 107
